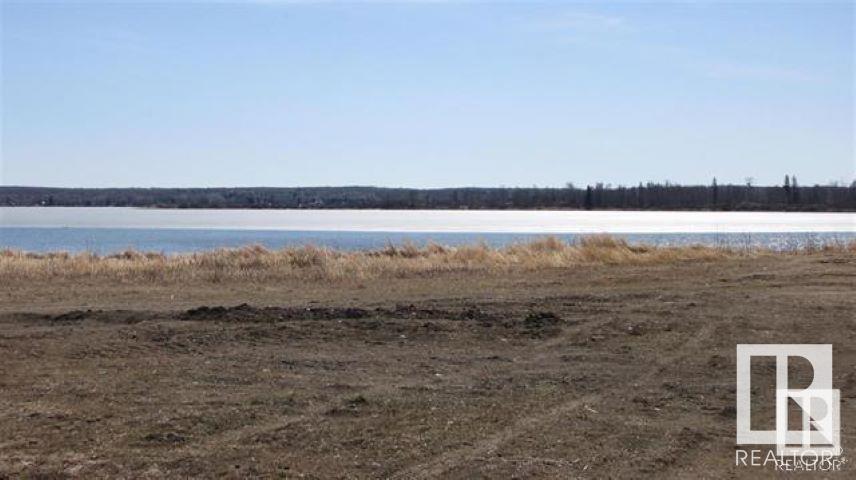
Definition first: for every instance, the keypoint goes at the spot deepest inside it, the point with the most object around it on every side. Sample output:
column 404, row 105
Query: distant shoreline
column 647, row 197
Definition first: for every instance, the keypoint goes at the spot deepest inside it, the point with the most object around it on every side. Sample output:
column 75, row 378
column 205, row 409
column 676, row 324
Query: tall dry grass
column 257, row 263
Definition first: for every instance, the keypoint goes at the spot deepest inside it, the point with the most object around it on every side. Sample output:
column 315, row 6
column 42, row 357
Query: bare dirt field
column 615, row 371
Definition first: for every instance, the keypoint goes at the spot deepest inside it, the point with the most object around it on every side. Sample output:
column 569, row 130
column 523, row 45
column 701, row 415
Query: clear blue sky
column 425, row 94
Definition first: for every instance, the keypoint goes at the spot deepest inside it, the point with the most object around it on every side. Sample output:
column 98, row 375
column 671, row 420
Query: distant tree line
column 790, row 196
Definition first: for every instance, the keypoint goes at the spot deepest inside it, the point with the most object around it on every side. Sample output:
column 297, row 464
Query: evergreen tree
column 715, row 190
column 787, row 188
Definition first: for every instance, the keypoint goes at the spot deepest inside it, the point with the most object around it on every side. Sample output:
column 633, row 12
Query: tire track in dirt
column 439, row 465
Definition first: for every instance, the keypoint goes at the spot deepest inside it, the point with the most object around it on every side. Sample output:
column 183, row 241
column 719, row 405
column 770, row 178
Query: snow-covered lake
column 107, row 230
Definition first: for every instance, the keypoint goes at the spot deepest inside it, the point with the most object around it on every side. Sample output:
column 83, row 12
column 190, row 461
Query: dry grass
column 257, row 263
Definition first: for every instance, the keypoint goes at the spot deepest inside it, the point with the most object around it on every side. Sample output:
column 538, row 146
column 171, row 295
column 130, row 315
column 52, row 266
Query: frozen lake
column 424, row 221
column 110, row 229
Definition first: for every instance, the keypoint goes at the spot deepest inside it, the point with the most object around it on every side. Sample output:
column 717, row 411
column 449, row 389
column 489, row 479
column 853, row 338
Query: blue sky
column 425, row 94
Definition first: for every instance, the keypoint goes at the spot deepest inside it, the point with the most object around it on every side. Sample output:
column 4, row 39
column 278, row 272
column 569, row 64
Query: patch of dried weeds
column 257, row 263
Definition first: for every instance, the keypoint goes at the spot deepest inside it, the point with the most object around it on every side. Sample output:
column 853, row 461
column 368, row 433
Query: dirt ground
column 590, row 372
